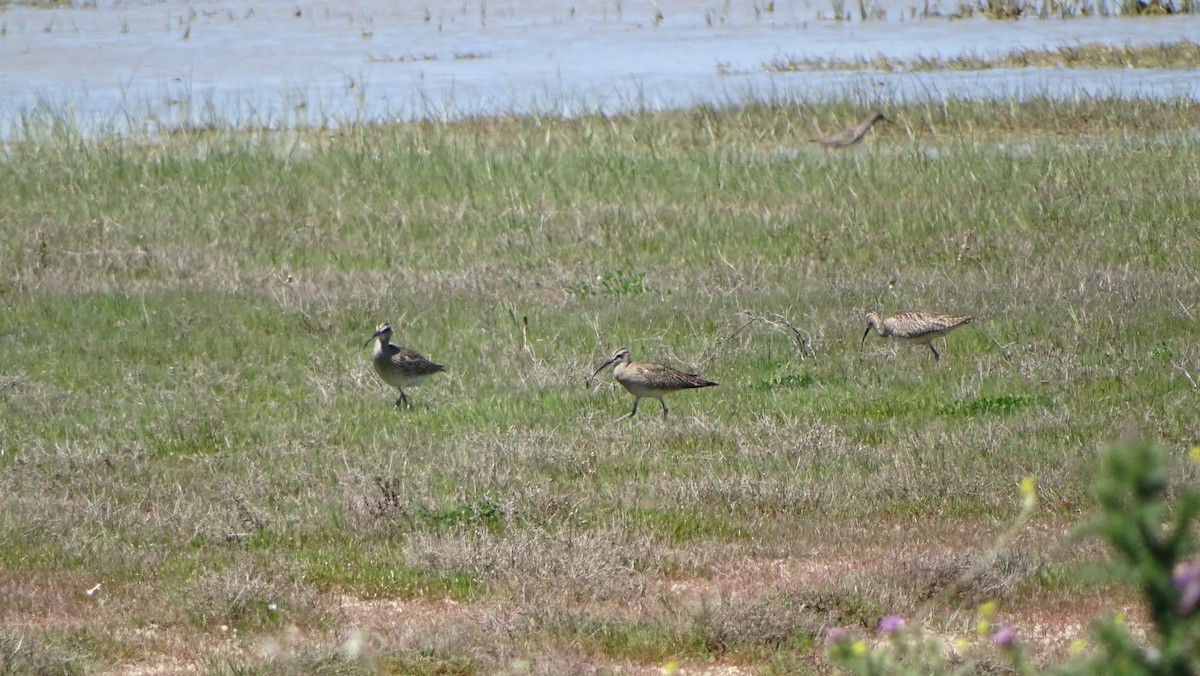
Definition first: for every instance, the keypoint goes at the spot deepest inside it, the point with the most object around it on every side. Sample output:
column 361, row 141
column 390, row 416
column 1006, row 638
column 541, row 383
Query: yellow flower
column 1028, row 492
column 983, row 627
column 1195, row 454
column 859, row 648
column 987, row 610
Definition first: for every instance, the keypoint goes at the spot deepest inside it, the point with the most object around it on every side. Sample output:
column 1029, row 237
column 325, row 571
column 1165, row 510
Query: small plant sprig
column 1150, row 525
column 612, row 284
column 903, row 648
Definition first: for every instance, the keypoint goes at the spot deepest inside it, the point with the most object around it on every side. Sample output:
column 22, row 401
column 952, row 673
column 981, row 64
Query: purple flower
column 1005, row 636
column 837, row 635
column 1187, row 581
column 891, row 624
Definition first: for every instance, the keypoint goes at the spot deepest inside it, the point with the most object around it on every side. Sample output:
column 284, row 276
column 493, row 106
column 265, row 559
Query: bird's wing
column 413, row 360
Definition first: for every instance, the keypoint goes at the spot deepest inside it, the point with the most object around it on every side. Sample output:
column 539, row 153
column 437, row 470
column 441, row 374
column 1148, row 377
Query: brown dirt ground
column 1047, row 626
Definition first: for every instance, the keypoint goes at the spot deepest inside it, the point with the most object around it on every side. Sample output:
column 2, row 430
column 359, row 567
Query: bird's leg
column 631, row 413
column 934, row 350
column 403, row 399
column 664, row 405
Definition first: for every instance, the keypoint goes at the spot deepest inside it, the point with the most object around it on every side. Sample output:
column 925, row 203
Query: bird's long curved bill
column 602, row 367
column 373, row 337
column 864, row 340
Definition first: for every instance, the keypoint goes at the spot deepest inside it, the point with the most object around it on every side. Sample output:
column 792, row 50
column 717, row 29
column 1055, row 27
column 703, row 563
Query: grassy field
column 198, row 468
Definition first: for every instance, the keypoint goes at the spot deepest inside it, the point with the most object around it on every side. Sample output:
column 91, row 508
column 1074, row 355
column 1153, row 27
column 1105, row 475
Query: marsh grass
column 189, row 416
column 1183, row 54
column 1157, row 7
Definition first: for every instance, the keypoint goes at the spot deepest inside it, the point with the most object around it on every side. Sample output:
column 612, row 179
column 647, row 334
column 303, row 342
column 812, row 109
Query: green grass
column 187, row 412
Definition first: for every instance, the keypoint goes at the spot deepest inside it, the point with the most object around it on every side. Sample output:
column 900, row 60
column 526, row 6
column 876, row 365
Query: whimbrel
column 848, row 137
column 399, row 367
column 913, row 326
column 643, row 379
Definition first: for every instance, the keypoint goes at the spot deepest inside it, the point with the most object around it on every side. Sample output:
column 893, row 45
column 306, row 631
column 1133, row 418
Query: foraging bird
column 913, row 326
column 399, row 367
column 848, row 137
column 642, row 379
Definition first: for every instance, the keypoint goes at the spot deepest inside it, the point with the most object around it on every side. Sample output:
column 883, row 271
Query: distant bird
column 642, row 379
column 914, row 327
column 848, row 137
column 399, row 367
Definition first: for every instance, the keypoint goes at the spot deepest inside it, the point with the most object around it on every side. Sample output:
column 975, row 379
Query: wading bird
column 916, row 327
column 399, row 367
column 848, row 137
column 643, row 379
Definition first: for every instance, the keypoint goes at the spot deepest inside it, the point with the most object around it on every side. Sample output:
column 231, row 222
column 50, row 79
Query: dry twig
column 777, row 322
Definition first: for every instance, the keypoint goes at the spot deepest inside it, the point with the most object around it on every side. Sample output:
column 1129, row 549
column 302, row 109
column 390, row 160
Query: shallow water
column 138, row 66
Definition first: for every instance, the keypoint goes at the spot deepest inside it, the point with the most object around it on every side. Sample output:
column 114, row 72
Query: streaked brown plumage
column 643, row 379
column 399, row 367
column 914, row 326
column 848, row 137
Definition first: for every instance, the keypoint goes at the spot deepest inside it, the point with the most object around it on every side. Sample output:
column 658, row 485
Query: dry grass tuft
column 961, row 578
column 249, row 596
column 771, row 621
column 541, row 564
column 26, row 652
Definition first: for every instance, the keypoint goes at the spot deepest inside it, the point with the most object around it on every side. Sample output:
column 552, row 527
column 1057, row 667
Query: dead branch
column 779, row 323
column 1185, row 373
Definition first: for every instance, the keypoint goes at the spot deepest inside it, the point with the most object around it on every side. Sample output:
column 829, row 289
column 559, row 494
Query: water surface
column 271, row 63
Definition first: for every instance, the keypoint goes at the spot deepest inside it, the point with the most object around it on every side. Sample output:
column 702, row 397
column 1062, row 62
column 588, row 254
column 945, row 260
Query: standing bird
column 399, row 367
column 914, row 327
column 648, row 380
column 848, row 137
